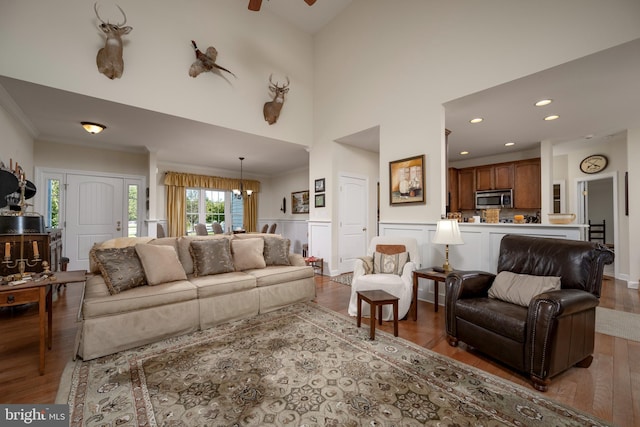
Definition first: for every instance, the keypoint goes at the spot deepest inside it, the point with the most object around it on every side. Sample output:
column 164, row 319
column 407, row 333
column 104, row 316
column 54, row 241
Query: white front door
column 94, row 213
column 353, row 210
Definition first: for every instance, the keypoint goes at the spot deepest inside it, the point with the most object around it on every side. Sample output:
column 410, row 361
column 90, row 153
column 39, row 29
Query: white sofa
column 113, row 321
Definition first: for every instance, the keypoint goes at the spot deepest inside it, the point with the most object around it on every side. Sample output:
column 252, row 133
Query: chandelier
column 239, row 193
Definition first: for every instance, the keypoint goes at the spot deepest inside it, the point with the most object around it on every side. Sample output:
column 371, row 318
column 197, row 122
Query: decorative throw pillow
column 120, row 267
column 276, row 250
column 391, row 249
column 367, row 264
column 247, row 253
column 160, row 263
column 212, row 256
column 521, row 288
column 389, row 264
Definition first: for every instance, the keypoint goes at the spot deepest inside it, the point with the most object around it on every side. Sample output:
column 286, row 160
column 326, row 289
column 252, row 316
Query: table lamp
column 447, row 233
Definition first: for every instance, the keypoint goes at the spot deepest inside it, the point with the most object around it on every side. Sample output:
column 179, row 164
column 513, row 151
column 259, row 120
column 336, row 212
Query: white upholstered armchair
column 399, row 285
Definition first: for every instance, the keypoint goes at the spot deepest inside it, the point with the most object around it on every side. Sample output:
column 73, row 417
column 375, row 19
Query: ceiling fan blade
column 310, row 2
column 255, row 5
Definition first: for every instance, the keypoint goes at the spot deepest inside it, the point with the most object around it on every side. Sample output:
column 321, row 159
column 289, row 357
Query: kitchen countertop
column 522, row 225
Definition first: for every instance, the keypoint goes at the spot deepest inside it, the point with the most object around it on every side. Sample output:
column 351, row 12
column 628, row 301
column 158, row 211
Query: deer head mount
column 109, row 59
column 271, row 109
column 205, row 61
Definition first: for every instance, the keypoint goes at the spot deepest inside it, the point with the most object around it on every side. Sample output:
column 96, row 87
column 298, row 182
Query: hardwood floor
column 609, row 389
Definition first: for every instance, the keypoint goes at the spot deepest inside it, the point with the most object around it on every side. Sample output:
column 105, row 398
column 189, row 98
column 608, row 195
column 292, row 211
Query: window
column 206, row 207
column 53, row 203
column 132, row 211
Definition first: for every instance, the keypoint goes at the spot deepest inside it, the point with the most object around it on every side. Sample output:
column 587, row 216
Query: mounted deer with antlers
column 109, row 59
column 272, row 108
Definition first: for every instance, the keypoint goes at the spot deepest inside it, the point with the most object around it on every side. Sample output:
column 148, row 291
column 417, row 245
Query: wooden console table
column 41, row 292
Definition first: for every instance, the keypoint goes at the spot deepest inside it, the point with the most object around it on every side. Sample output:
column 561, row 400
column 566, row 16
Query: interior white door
column 94, row 213
column 353, row 210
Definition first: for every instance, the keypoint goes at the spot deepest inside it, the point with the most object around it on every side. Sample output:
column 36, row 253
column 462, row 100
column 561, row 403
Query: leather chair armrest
column 459, row 285
column 544, row 310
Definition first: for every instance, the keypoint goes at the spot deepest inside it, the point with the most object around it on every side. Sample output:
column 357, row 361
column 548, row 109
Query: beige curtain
column 177, row 183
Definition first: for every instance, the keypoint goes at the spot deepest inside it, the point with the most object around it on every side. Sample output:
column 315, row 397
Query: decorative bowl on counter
column 561, row 218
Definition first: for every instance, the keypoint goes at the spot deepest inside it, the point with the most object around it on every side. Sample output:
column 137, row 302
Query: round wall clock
column 594, row 163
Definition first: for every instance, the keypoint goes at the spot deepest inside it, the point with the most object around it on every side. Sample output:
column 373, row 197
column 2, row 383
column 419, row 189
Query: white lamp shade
column 448, row 233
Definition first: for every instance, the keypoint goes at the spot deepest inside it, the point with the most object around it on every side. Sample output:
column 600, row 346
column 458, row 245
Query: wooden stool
column 377, row 298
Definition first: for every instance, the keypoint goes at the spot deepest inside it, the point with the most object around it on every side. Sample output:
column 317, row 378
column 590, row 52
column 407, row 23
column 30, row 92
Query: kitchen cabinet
column 526, row 188
column 466, row 188
column 494, row 177
column 452, row 190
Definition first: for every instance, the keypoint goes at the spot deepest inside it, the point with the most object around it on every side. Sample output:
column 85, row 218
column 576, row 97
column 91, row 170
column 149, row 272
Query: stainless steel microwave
column 490, row 199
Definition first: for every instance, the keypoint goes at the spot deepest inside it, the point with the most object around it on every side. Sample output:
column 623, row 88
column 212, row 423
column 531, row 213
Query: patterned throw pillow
column 389, row 264
column 120, row 268
column 276, row 250
column 211, row 257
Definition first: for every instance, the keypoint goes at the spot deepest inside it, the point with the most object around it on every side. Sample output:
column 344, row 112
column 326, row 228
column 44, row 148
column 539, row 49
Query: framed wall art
column 406, row 181
column 319, row 200
column 319, row 185
column 300, row 202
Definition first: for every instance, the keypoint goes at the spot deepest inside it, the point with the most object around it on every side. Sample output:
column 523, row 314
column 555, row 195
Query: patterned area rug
column 302, row 365
column 344, row 279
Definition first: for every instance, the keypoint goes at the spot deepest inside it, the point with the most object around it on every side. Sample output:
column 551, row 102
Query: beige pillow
column 160, row 263
column 211, row 256
column 276, row 250
column 521, row 288
column 120, row 267
column 389, row 264
column 248, row 253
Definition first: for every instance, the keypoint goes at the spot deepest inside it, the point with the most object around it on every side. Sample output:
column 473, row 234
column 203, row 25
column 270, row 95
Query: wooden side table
column 376, row 299
column 316, row 263
column 41, row 292
column 430, row 274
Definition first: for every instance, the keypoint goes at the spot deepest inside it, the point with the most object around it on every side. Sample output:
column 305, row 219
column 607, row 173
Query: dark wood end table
column 376, row 299
column 40, row 291
column 430, row 274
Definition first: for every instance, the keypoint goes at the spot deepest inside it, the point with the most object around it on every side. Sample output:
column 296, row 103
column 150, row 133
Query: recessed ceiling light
column 464, row 153
column 93, row 128
column 543, row 102
column 509, row 144
column 476, row 120
column 552, row 117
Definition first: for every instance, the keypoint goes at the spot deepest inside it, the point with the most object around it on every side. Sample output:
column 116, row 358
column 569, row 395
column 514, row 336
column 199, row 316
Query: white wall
column 16, row 142
column 55, row 44
column 394, row 64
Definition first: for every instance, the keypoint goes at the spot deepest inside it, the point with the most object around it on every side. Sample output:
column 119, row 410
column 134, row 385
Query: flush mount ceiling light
column 476, row 120
column 552, row 117
column 543, row 102
column 93, row 128
column 509, row 144
column 464, row 153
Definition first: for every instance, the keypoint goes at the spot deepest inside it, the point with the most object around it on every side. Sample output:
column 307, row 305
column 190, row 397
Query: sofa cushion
column 166, row 241
column 211, row 256
column 224, row 283
column 120, row 267
column 276, row 250
column 521, row 288
column 276, row 274
column 97, row 302
column 160, row 263
column 389, row 264
column 248, row 253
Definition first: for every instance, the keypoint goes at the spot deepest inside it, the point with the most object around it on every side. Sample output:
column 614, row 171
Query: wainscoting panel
column 294, row 230
column 320, row 243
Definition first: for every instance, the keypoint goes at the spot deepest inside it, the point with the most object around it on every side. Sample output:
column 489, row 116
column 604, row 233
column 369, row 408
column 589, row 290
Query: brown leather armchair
column 556, row 331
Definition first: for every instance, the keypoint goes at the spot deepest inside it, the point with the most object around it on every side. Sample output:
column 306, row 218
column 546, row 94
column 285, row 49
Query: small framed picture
column 320, row 185
column 300, row 202
column 319, row 201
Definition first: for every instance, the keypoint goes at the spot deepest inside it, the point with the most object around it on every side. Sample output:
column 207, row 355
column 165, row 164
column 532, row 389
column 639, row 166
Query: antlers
column 275, row 88
column 109, row 59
